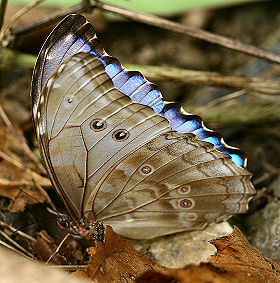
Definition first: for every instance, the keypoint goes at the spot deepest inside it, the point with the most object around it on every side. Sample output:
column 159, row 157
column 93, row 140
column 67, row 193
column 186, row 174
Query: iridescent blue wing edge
column 74, row 34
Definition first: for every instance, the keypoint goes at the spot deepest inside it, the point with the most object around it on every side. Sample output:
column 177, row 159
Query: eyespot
column 69, row 101
column 63, row 223
column 120, row 135
column 186, row 203
column 98, row 125
column 146, row 169
column 184, row 189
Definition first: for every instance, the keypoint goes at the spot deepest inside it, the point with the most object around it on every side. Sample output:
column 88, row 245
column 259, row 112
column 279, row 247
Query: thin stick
column 69, row 268
column 2, row 11
column 4, row 244
column 22, row 234
column 25, row 147
column 221, row 99
column 14, row 230
column 154, row 21
column 44, row 193
column 256, row 84
column 192, row 32
column 19, row 14
column 45, row 21
column 7, row 237
column 36, row 179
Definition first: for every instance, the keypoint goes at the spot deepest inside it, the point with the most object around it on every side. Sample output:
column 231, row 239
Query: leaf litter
column 235, row 261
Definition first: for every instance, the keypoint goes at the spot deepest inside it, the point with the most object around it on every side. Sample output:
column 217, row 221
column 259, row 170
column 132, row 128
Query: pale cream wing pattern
column 117, row 161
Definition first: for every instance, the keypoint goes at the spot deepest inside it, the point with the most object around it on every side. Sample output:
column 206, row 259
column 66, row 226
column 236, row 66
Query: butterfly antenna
column 17, row 230
column 56, row 213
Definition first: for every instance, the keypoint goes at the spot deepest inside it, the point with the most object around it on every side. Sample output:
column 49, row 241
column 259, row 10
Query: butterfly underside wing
column 115, row 160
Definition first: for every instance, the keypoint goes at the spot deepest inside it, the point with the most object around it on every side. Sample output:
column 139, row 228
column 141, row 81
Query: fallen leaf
column 155, row 277
column 12, row 145
column 204, row 273
column 116, row 260
column 45, row 248
column 19, row 186
column 235, row 261
column 242, row 261
column 17, row 181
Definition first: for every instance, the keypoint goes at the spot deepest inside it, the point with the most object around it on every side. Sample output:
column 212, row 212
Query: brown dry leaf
column 236, row 261
column 204, row 273
column 116, row 260
column 13, row 147
column 242, row 261
column 44, row 248
column 17, row 181
column 19, row 186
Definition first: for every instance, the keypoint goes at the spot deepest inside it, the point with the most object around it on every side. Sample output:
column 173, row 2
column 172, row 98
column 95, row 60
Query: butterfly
column 117, row 153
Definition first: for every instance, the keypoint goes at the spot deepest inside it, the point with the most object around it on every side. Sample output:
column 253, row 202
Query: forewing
column 78, row 93
column 75, row 34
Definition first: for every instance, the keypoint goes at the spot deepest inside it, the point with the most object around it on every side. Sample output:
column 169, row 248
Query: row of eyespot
column 99, row 125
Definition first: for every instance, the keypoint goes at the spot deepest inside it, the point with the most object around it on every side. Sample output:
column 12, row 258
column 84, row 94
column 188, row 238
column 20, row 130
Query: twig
column 45, row 21
column 69, row 268
column 2, row 12
column 154, row 21
column 13, row 249
column 44, row 193
column 262, row 178
column 241, row 113
column 256, row 84
column 7, row 237
column 190, row 31
column 19, row 14
column 22, row 234
column 58, row 248
column 221, row 99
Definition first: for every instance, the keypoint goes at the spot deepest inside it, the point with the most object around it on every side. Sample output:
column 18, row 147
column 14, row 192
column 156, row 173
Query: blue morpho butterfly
column 118, row 154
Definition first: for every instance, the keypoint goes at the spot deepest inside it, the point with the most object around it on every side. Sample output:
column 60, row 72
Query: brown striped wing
column 117, row 161
column 77, row 156
column 172, row 183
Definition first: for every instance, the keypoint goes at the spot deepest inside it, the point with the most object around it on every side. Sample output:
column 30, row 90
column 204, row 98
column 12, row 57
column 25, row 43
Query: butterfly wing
column 172, row 183
column 85, row 125
column 75, row 34
column 115, row 160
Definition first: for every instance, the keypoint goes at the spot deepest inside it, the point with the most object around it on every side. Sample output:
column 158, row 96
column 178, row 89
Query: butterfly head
column 82, row 229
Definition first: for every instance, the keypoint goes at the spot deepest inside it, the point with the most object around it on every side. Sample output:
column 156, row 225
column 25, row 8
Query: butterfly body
column 114, row 159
